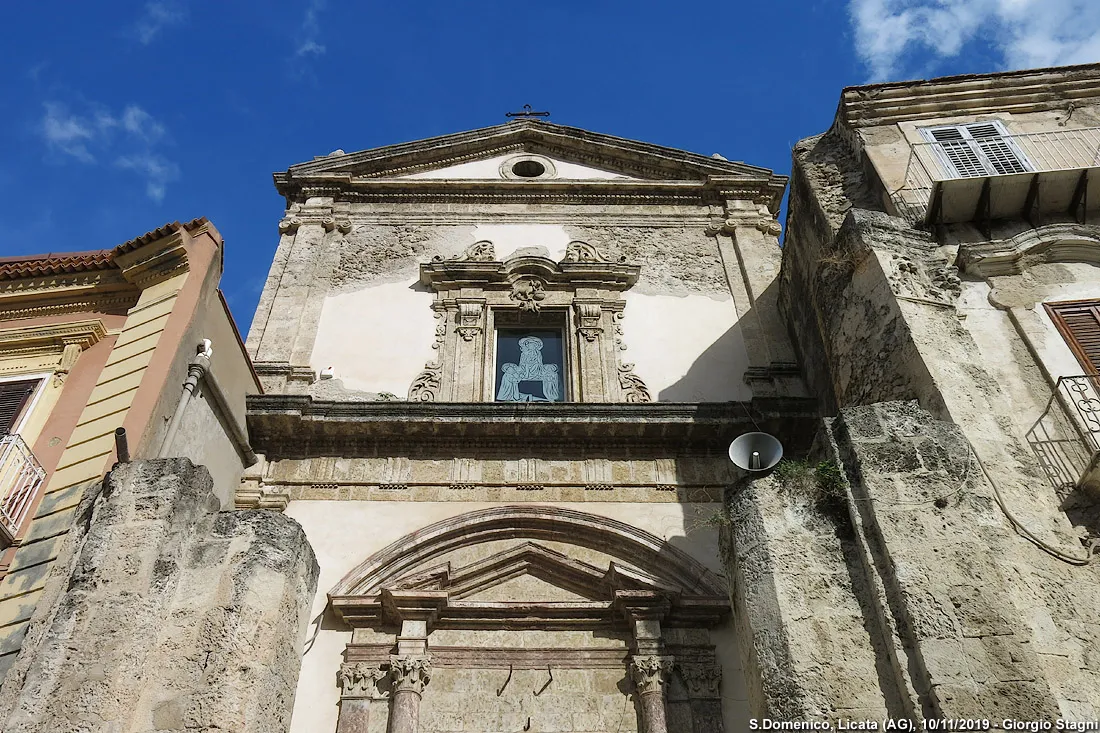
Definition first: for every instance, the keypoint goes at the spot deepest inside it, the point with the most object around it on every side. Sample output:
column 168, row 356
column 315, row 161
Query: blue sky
column 121, row 116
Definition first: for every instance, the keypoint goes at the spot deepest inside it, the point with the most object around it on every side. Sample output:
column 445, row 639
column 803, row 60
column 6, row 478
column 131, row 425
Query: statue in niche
column 530, row 368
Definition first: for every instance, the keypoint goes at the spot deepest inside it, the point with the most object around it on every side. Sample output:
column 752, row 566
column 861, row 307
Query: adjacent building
column 94, row 341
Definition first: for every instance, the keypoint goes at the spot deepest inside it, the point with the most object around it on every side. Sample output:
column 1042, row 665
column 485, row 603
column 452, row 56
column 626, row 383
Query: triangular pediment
column 530, row 571
column 478, row 154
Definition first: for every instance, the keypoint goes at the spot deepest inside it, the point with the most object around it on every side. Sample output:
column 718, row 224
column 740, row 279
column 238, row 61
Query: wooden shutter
column 977, row 149
column 14, row 397
column 1079, row 323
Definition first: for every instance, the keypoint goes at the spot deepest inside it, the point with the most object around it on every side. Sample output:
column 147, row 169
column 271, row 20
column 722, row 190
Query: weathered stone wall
column 903, row 588
column 165, row 614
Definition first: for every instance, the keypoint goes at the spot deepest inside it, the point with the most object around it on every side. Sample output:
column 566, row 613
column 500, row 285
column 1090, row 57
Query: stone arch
column 661, row 564
column 1045, row 244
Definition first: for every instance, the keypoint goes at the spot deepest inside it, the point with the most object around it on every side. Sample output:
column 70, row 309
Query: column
column 650, row 672
column 410, row 673
column 650, row 667
column 590, row 336
column 411, row 667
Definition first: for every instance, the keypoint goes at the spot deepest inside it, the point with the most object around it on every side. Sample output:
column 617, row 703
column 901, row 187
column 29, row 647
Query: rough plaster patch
column 687, row 349
column 507, row 238
column 673, row 259
column 379, row 251
column 377, row 339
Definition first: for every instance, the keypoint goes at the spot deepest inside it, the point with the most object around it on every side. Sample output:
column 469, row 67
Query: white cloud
column 158, row 15
column 311, row 30
column 157, row 171
column 129, row 139
column 889, row 34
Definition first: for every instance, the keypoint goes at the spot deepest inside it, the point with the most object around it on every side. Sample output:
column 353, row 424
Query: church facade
column 501, row 372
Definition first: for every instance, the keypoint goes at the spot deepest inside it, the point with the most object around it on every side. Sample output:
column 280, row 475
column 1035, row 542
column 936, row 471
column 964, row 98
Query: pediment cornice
column 372, row 172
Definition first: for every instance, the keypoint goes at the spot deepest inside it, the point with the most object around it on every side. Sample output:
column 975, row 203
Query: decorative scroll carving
column 360, row 680
column 410, row 672
column 528, row 292
column 469, row 320
column 68, row 360
column 482, row 251
column 577, row 251
column 617, row 317
column 425, row 388
column 650, row 672
column 289, row 225
column 703, row 681
column 341, row 225
column 634, row 389
column 588, row 321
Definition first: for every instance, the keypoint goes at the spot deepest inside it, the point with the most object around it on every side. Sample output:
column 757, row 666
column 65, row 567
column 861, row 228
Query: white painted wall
column 377, row 339
column 489, row 168
column 686, row 349
column 345, row 533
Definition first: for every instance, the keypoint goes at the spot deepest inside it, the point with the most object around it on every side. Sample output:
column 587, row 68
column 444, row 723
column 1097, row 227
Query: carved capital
column 410, row 672
column 289, row 225
column 469, row 320
column 703, row 681
column 360, row 680
column 650, row 672
column 588, row 320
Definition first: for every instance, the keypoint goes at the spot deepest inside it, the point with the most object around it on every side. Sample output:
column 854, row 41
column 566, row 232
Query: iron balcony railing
column 20, row 477
column 998, row 155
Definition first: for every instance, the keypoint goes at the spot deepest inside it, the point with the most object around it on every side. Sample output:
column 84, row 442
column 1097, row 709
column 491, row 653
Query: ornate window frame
column 475, row 290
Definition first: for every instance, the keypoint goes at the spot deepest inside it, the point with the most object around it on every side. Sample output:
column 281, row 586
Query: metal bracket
column 501, row 690
column 543, row 688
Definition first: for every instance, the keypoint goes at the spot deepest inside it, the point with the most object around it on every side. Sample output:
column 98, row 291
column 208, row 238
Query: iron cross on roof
column 527, row 112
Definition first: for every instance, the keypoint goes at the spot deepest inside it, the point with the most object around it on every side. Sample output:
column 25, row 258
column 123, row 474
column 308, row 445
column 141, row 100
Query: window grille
column 977, row 149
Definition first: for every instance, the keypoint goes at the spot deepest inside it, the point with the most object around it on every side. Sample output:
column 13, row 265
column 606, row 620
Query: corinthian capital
column 359, row 679
column 650, row 672
column 410, row 672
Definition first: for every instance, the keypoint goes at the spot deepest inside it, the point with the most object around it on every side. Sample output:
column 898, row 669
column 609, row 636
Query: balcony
column 20, row 477
column 982, row 178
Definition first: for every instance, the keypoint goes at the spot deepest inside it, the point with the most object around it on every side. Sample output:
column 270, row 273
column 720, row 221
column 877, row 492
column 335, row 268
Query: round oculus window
column 528, row 169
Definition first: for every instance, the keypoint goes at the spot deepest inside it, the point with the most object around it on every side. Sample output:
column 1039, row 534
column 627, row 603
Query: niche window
column 530, row 365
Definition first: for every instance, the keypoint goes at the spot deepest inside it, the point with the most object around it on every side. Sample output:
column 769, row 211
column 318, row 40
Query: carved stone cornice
column 155, row 261
column 650, row 672
column 51, row 338
column 287, row 425
column 410, row 672
column 969, row 95
column 440, row 274
column 1045, row 244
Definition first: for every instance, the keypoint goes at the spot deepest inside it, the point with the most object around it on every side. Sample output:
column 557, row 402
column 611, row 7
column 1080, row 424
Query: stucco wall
column 376, row 327
column 345, row 533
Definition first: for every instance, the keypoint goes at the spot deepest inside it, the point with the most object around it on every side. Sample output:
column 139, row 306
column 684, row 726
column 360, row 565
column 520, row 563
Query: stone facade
column 522, row 542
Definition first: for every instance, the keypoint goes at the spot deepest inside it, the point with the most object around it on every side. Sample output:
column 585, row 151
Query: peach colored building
column 138, row 337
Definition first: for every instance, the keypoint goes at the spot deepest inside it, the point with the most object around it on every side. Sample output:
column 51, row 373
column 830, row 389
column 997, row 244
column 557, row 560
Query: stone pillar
column 468, row 379
column 411, row 667
column 649, row 673
column 411, row 673
column 358, row 686
column 649, row 666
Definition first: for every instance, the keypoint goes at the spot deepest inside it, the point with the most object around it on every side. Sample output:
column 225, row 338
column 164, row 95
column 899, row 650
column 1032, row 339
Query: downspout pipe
column 198, row 368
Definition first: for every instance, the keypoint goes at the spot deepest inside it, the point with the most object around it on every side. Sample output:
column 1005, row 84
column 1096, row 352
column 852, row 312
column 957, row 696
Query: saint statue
column 530, row 368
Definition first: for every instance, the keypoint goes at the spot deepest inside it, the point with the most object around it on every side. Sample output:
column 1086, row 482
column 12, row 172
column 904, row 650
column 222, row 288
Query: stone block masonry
column 165, row 614
column 900, row 589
